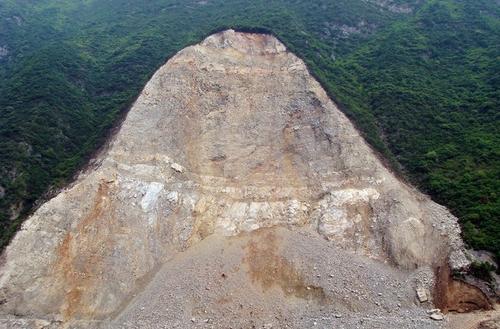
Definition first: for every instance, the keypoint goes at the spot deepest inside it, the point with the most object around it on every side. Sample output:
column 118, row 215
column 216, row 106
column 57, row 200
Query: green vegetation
column 419, row 78
column 482, row 270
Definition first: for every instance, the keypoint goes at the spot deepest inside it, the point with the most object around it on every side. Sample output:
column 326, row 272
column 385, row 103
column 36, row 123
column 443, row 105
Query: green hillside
column 419, row 78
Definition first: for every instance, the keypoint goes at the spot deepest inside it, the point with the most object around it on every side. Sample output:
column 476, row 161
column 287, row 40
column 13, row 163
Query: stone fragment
column 437, row 317
column 177, row 167
column 422, row 294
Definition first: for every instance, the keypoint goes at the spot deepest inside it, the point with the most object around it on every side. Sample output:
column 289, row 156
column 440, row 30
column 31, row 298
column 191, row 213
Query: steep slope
column 73, row 67
column 418, row 77
column 231, row 138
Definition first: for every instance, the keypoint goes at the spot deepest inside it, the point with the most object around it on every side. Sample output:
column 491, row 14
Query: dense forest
column 420, row 79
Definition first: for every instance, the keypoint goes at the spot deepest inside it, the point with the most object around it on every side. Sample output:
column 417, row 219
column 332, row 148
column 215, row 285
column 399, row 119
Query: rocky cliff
column 234, row 188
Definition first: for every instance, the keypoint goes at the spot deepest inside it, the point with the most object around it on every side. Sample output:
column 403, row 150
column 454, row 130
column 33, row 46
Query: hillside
column 419, row 78
column 236, row 194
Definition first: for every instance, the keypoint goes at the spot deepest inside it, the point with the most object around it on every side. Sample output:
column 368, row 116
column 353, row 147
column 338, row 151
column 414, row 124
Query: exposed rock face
column 230, row 136
column 392, row 6
column 4, row 51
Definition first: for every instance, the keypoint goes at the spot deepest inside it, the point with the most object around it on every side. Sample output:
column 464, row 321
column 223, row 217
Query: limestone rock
column 437, row 316
column 259, row 145
column 177, row 167
column 422, row 294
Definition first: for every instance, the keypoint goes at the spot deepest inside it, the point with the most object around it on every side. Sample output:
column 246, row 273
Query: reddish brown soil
column 452, row 295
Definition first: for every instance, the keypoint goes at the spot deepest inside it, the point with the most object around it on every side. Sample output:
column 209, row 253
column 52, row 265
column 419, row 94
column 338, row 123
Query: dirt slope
column 274, row 277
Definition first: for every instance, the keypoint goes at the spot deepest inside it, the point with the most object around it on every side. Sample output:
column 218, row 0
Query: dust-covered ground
column 275, row 278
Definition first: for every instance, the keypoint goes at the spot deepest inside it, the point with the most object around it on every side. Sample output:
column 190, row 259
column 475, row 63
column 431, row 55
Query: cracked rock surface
column 235, row 193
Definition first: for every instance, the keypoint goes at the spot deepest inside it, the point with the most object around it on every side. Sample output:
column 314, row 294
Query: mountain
column 419, row 79
column 234, row 176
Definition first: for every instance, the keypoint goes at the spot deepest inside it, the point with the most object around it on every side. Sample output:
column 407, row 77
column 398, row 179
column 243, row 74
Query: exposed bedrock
column 230, row 136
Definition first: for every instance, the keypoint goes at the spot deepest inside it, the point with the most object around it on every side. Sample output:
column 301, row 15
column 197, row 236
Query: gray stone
column 177, row 167
column 437, row 316
column 422, row 294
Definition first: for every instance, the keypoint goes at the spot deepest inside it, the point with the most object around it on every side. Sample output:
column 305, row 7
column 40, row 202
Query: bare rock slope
column 235, row 193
